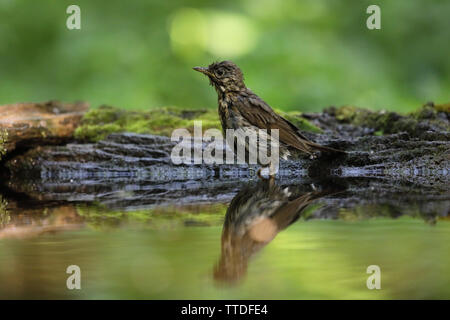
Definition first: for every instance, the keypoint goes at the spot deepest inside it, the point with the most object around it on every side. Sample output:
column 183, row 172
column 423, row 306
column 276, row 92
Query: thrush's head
column 224, row 76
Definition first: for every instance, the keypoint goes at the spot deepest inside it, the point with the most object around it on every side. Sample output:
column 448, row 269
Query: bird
column 254, row 217
column 239, row 107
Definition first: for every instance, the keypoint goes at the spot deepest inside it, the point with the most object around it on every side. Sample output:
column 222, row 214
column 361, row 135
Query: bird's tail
column 315, row 146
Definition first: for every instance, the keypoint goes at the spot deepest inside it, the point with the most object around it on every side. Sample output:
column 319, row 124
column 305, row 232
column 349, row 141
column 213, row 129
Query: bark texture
column 127, row 168
column 24, row 125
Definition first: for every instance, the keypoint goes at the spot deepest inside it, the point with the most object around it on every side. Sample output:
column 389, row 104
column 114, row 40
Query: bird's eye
column 220, row 72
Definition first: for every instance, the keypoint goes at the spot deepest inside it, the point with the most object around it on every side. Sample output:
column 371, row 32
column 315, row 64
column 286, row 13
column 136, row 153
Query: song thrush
column 239, row 108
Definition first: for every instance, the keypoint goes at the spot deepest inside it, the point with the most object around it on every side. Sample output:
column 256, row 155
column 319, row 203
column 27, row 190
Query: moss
column 297, row 119
column 442, row 107
column 103, row 115
column 378, row 133
column 347, row 113
column 308, row 213
column 371, row 211
column 361, row 117
column 3, row 140
column 99, row 216
column 96, row 132
column 4, row 214
column 98, row 123
column 385, row 122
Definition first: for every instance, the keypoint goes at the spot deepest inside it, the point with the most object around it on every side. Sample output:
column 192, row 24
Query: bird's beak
column 202, row 70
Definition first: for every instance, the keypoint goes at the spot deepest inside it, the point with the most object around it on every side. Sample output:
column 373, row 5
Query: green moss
column 385, row 122
column 103, row 115
column 96, row 132
column 378, row 133
column 371, row 211
column 347, row 113
column 99, row 216
column 3, row 140
column 442, row 107
column 309, row 211
column 430, row 111
column 362, row 117
column 365, row 212
column 297, row 119
column 4, row 214
column 98, row 123
column 426, row 112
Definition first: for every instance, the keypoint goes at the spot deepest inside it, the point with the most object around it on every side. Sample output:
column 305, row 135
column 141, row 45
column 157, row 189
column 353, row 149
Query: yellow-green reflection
column 313, row 259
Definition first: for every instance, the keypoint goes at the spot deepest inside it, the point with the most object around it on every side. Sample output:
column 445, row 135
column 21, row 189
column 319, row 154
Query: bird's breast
column 229, row 112
column 224, row 114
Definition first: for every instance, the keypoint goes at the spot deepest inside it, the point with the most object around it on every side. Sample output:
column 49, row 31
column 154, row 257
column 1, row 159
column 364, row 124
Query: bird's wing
column 261, row 115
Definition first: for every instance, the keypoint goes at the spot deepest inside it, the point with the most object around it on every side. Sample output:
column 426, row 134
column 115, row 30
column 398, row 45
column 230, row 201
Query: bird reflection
column 253, row 219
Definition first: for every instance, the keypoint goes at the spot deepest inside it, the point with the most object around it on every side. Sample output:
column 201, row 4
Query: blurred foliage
column 297, row 55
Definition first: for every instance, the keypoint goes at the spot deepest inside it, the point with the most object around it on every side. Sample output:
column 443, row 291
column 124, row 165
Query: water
column 277, row 241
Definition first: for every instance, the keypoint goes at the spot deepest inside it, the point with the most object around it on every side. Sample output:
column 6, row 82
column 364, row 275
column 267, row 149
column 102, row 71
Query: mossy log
column 26, row 125
column 390, row 152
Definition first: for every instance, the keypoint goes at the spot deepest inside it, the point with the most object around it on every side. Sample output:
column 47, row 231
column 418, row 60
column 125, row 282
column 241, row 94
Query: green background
column 297, row 55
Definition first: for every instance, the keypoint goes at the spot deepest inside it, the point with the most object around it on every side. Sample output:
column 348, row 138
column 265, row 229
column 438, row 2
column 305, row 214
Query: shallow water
column 264, row 241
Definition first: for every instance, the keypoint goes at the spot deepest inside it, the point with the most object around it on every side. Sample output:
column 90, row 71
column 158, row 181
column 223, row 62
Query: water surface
column 264, row 241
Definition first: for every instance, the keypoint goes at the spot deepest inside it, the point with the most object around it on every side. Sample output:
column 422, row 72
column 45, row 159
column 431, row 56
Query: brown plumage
column 239, row 107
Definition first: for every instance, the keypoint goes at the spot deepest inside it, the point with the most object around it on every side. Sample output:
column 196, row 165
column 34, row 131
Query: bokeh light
column 222, row 34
